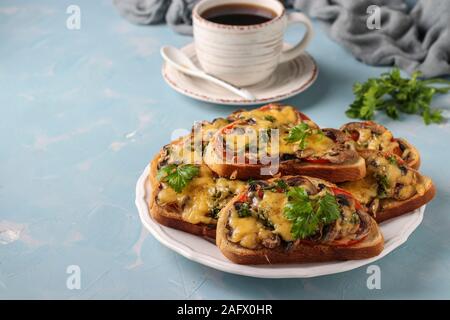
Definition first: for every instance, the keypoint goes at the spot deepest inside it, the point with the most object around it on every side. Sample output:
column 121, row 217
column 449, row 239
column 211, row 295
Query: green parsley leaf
column 299, row 133
column 270, row 118
column 393, row 94
column 392, row 160
column 328, row 209
column 308, row 215
column 299, row 210
column 215, row 212
column 244, row 210
column 383, row 185
column 281, row 184
column 177, row 176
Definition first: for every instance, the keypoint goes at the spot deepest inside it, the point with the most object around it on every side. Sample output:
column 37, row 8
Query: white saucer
column 289, row 79
column 395, row 232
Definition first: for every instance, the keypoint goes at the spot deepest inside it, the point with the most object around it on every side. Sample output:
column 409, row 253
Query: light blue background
column 82, row 112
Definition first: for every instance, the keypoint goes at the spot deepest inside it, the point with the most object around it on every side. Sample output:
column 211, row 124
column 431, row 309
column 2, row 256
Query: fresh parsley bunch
column 393, row 94
column 177, row 176
column 307, row 215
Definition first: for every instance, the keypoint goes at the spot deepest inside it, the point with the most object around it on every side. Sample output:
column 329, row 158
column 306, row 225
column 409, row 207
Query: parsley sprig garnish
column 392, row 160
column 270, row 118
column 383, row 185
column 282, row 185
column 299, row 134
column 177, row 176
column 244, row 210
column 393, row 94
column 309, row 214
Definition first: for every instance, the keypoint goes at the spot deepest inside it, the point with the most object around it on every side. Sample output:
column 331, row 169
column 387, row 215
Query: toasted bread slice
column 391, row 188
column 245, row 149
column 194, row 208
column 352, row 171
column 369, row 135
column 171, row 216
column 266, row 236
column 394, row 208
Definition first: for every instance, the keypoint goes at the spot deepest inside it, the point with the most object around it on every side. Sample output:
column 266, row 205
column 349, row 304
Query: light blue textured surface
column 82, row 112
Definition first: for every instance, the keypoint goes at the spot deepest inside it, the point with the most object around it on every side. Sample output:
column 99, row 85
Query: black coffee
column 239, row 14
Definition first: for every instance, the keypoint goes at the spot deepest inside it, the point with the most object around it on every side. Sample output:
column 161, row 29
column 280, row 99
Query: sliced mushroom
column 251, row 121
column 335, row 135
column 403, row 192
column 341, row 154
column 238, row 130
column 287, row 157
column 255, row 185
column 374, row 127
column 306, row 153
column 235, row 115
column 302, row 181
column 271, row 242
column 329, row 233
column 374, row 206
column 342, row 200
column 364, row 223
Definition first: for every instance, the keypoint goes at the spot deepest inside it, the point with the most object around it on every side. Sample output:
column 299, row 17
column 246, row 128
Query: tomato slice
column 227, row 129
column 260, row 194
column 398, row 158
column 397, row 151
column 243, row 197
column 314, row 160
column 355, row 135
column 338, row 191
column 304, row 116
column 267, row 107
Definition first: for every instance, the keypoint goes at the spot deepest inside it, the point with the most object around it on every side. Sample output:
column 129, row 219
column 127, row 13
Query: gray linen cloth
column 416, row 38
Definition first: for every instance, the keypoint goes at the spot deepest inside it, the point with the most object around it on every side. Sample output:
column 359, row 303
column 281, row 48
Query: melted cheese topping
column 204, row 192
column 183, row 152
column 282, row 116
column 246, row 140
column 319, row 144
column 209, row 128
column 226, row 185
column 363, row 190
column 248, row 231
column 398, row 184
column 198, row 198
column 385, row 142
column 273, row 203
column 189, row 149
column 252, row 231
column 194, row 200
column 379, row 142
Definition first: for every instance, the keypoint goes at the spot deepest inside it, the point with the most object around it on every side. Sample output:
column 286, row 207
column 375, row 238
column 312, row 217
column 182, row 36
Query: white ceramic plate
column 395, row 231
column 289, row 79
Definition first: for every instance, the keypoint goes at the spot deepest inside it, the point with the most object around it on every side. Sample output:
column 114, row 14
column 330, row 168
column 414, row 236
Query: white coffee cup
column 245, row 55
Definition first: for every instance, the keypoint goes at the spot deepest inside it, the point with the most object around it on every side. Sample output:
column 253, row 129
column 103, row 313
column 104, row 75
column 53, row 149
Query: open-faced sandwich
column 296, row 219
column 369, row 135
column 390, row 187
column 281, row 139
column 187, row 195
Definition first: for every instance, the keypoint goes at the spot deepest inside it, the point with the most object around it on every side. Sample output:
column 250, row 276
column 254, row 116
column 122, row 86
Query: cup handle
column 294, row 52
